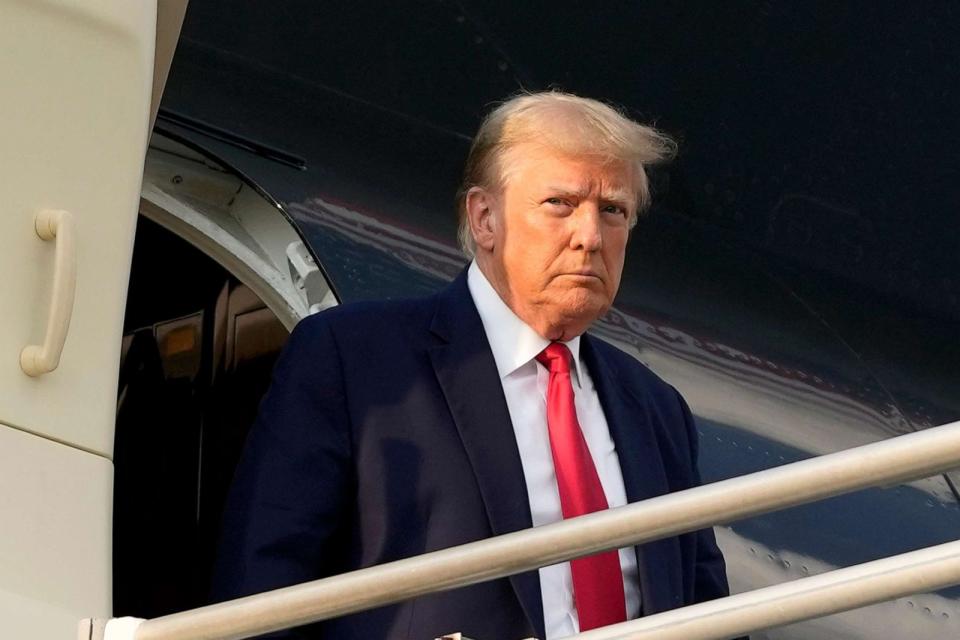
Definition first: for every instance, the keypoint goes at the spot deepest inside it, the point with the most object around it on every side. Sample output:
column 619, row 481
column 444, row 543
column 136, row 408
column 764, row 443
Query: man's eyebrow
column 619, row 196
column 580, row 191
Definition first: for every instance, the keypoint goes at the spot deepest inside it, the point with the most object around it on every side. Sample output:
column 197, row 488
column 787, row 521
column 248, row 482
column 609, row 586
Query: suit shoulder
column 668, row 413
column 369, row 319
column 628, row 367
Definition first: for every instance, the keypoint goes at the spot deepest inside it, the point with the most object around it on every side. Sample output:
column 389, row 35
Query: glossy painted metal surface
column 796, row 279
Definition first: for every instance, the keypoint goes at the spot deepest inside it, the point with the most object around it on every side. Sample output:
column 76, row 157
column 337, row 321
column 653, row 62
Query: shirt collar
column 513, row 342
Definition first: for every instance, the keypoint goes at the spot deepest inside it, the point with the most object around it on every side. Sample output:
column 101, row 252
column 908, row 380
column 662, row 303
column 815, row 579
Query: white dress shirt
column 515, row 346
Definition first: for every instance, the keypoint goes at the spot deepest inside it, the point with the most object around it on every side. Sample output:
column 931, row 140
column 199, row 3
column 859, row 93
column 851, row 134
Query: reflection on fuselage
column 752, row 564
column 781, row 405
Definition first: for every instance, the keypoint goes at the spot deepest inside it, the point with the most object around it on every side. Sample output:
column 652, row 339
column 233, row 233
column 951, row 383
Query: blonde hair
column 564, row 122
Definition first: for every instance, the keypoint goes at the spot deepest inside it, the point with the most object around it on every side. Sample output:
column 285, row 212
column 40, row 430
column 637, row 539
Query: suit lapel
column 643, row 473
column 467, row 373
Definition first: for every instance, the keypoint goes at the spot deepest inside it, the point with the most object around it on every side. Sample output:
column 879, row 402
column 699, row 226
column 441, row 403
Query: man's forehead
column 571, row 173
column 562, row 162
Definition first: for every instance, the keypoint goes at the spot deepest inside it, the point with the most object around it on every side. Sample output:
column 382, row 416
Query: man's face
column 557, row 236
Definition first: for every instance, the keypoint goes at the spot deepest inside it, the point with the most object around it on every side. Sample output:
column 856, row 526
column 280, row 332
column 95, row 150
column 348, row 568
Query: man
column 397, row 428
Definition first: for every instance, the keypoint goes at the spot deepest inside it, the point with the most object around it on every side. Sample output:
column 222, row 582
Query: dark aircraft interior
column 197, row 354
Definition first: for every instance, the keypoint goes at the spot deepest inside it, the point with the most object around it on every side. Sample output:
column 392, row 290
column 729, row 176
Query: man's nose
column 586, row 233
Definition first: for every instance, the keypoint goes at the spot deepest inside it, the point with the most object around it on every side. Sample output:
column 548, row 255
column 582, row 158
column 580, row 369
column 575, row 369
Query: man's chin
column 562, row 313
column 578, row 312
column 591, row 295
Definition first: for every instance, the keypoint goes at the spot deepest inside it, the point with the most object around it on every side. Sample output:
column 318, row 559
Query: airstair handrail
column 834, row 591
column 888, row 462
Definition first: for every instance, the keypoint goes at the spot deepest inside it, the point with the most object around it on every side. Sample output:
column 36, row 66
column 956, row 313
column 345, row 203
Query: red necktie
column 597, row 580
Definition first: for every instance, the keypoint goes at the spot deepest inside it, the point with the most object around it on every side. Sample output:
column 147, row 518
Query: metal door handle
column 37, row 359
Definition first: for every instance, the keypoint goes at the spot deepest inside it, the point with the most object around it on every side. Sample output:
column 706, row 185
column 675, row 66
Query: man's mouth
column 585, row 275
column 586, row 271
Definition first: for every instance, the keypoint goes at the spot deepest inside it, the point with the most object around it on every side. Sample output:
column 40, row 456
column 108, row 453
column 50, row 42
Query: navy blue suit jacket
column 385, row 434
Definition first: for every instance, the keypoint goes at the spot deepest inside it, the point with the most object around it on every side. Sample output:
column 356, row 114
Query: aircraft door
column 76, row 80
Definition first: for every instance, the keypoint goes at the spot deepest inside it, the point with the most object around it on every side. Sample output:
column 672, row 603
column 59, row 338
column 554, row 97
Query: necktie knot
column 556, row 358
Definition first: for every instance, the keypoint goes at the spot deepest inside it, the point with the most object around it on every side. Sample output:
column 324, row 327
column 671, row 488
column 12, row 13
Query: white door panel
column 75, row 83
column 57, row 526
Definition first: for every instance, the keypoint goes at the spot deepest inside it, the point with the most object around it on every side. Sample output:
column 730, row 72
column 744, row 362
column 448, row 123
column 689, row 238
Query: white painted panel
column 55, row 506
column 75, row 84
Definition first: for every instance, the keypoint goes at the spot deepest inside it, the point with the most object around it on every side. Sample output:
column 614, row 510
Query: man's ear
column 481, row 206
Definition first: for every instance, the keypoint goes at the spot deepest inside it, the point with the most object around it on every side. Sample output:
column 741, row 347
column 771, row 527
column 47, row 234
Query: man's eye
column 555, row 201
column 612, row 208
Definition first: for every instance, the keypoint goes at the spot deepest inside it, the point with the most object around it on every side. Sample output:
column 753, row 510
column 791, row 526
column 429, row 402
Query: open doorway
column 198, row 350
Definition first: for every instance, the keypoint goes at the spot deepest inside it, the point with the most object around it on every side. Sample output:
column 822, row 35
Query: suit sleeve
column 292, row 488
column 710, row 570
column 710, row 573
